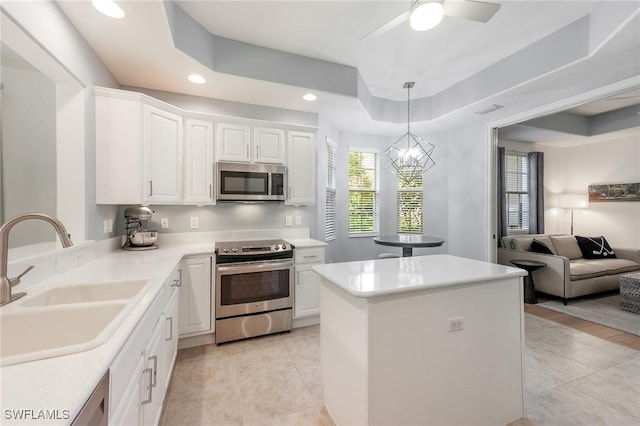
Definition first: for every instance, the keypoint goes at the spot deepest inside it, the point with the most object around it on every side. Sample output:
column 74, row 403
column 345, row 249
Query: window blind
column 363, row 192
column 517, row 192
column 330, row 198
column 409, row 205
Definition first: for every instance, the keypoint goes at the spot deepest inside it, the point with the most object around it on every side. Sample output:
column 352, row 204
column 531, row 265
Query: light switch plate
column 195, row 223
column 288, row 221
column 298, row 220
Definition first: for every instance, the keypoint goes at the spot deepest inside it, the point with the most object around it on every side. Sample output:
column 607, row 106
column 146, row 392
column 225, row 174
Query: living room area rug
column 603, row 310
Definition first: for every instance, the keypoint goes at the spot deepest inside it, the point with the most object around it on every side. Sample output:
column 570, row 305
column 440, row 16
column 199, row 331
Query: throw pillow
column 539, row 247
column 595, row 248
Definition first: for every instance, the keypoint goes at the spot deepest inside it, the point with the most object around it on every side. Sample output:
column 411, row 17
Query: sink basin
column 83, row 293
column 27, row 335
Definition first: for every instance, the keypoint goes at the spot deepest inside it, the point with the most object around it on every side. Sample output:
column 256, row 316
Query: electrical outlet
column 298, row 220
column 110, row 225
column 288, row 221
column 164, row 222
column 456, row 324
column 195, row 223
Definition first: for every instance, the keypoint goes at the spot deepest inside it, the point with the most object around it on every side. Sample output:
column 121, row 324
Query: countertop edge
column 322, row 270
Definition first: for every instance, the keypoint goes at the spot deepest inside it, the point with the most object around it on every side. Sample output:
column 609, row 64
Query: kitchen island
column 422, row 340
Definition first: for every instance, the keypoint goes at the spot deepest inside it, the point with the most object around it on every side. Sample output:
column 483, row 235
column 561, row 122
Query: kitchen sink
column 30, row 334
column 83, row 293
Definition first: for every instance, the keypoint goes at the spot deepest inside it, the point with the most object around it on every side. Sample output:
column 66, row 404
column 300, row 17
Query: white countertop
column 372, row 278
column 66, row 382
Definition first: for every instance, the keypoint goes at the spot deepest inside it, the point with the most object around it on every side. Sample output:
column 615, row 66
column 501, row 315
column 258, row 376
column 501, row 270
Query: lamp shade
column 571, row 201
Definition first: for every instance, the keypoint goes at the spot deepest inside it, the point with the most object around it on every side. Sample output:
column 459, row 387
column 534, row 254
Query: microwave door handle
column 269, row 183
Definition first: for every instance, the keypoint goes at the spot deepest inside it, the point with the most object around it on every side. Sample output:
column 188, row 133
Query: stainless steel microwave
column 250, row 182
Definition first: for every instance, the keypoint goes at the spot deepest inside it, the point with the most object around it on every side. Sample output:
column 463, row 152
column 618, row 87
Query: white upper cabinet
column 119, row 177
column 268, row 145
column 162, row 137
column 138, row 150
column 233, row 142
column 237, row 143
column 198, row 162
column 301, row 161
column 150, row 152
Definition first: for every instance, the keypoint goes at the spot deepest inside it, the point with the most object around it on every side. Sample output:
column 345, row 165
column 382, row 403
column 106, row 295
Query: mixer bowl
column 142, row 238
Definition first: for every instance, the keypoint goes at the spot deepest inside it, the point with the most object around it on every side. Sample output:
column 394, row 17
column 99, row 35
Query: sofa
column 571, row 270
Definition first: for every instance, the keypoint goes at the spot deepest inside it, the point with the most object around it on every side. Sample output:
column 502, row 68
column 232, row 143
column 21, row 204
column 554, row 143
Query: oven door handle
column 253, row 267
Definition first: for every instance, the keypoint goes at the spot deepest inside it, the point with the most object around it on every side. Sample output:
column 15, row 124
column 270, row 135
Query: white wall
column 573, row 169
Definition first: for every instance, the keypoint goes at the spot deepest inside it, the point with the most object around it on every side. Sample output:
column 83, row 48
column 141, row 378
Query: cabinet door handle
column 150, row 188
column 170, row 319
column 310, row 257
column 258, row 151
column 154, row 375
column 150, row 371
column 210, row 191
column 297, row 277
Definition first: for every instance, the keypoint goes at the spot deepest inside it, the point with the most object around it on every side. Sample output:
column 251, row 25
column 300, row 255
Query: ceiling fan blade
column 388, row 26
column 470, row 9
column 621, row 98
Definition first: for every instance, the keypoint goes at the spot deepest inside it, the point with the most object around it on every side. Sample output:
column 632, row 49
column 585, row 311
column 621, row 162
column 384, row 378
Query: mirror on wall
column 28, row 105
column 41, row 143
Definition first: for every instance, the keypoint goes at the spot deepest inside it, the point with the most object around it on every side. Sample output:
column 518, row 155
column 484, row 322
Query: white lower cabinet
column 170, row 338
column 152, row 391
column 307, row 282
column 140, row 372
column 196, row 297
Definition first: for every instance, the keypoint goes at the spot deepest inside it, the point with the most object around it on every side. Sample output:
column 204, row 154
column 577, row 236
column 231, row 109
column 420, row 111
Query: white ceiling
column 139, row 50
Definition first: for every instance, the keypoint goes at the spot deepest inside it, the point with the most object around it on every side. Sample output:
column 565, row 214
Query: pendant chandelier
column 410, row 155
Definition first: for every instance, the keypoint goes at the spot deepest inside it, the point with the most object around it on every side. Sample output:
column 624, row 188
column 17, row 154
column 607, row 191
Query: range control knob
column 235, row 250
column 275, row 247
column 225, row 250
column 284, row 247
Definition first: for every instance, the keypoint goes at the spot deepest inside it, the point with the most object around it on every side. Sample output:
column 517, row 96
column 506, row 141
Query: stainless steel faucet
column 7, row 283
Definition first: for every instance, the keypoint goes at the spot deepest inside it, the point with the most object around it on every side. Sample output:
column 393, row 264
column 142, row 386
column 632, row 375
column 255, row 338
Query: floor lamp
column 572, row 202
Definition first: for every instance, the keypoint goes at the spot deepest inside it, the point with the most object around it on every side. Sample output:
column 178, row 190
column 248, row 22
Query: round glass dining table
column 408, row 242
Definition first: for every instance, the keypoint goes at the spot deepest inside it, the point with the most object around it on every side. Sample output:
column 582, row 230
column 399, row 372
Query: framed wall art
column 614, row 192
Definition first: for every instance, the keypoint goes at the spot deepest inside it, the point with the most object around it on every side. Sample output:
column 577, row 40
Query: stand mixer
column 138, row 237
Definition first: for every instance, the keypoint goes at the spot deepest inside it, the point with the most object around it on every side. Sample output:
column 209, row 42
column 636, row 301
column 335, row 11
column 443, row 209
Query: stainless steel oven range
column 254, row 288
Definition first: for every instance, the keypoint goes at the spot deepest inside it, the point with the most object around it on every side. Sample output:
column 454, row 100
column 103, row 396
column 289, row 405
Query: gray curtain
column 502, row 196
column 536, row 193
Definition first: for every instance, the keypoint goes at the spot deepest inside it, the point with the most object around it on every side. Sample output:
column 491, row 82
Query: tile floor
column 573, row 378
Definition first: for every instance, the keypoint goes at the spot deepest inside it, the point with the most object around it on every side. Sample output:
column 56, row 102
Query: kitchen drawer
column 124, row 367
column 309, row 255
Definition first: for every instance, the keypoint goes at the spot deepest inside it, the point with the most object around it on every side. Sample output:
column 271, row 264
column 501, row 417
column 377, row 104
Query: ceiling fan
column 425, row 14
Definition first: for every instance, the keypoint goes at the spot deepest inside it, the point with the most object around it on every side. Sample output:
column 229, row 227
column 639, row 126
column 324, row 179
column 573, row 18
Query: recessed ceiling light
column 197, row 79
column 426, row 16
column 109, row 8
column 310, row 97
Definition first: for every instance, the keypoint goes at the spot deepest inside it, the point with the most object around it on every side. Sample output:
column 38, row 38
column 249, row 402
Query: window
column 410, row 205
column 517, row 193
column 363, row 192
column 330, row 203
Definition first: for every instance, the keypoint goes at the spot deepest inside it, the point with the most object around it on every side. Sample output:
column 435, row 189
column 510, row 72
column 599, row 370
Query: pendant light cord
column 408, row 109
